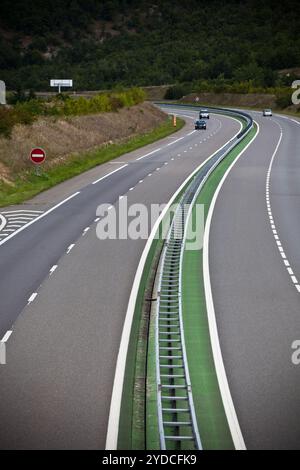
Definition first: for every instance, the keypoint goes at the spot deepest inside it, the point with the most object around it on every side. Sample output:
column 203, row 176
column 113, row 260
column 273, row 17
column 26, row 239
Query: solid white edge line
column 232, row 419
column 39, row 217
column 108, row 174
column 6, row 336
column 116, row 397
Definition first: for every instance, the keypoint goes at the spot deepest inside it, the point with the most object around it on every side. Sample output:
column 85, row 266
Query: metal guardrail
column 178, row 428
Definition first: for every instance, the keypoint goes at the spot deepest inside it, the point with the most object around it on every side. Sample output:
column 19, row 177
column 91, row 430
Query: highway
column 255, row 268
column 64, row 293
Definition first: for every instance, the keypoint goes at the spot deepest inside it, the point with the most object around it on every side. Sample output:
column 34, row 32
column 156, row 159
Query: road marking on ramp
column 11, row 221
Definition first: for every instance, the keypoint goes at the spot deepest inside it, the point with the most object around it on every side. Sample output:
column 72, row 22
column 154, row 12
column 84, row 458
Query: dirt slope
column 63, row 137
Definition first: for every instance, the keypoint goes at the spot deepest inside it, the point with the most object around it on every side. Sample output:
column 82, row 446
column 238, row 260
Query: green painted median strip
column 211, row 418
column 138, row 426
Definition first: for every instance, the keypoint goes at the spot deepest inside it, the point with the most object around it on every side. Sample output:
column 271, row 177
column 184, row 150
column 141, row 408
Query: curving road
column 65, row 292
column 255, row 269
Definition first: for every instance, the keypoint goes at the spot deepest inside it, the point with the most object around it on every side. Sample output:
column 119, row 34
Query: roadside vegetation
column 104, row 43
column 27, row 184
column 27, row 110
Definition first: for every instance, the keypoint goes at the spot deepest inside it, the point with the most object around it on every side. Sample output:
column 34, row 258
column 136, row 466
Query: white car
column 204, row 114
column 267, row 112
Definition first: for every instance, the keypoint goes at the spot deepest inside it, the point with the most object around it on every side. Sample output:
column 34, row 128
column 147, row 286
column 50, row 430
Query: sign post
column 174, row 120
column 37, row 156
column 61, row 83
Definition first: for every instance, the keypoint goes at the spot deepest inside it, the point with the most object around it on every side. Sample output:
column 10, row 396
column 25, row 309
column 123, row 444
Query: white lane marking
column 150, row 174
column 174, row 141
column 131, row 189
column 121, row 197
column 32, row 297
column 179, row 155
column 97, row 219
column 44, row 214
column 54, row 267
column 116, row 396
column 148, row 154
column 86, row 230
column 157, row 169
column 294, row 279
column 70, row 248
column 6, row 336
column 19, row 211
column 172, row 159
column 141, row 181
column 109, row 174
column 165, row 163
column 232, row 419
column 298, row 288
column 269, row 210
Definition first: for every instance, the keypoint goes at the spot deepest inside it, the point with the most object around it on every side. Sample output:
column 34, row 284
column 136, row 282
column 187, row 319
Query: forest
column 106, row 44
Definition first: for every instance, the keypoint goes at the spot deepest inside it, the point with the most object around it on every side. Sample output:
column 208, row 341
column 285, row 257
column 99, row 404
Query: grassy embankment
column 27, row 184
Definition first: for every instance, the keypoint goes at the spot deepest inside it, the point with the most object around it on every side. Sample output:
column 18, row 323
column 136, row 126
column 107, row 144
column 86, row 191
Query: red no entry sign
column 37, row 156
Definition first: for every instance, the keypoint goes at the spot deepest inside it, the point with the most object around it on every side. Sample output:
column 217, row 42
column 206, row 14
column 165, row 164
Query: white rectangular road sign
column 61, row 83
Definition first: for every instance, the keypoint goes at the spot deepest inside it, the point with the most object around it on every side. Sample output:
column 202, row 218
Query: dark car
column 200, row 124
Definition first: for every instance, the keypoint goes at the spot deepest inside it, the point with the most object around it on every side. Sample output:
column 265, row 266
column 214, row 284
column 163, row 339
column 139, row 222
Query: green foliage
column 141, row 42
column 27, row 185
column 176, row 92
column 284, row 98
column 10, row 117
column 27, row 110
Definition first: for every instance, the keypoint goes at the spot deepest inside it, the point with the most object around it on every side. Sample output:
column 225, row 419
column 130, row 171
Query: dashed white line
column 86, row 230
column 6, row 336
column 70, row 248
column 271, row 218
column 54, row 267
column 109, row 174
column 131, row 189
column 32, row 297
column 148, row 154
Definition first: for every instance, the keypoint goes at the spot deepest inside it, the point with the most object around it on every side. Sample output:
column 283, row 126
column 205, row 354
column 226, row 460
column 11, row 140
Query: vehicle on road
column 204, row 114
column 267, row 112
column 200, row 124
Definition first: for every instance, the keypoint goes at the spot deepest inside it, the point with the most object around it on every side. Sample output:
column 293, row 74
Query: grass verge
column 29, row 184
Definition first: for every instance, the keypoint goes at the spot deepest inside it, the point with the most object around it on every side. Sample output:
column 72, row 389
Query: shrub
column 176, row 92
column 283, row 98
